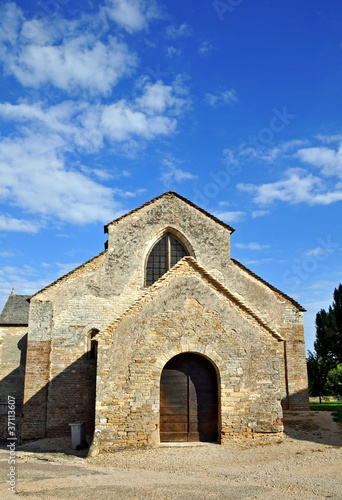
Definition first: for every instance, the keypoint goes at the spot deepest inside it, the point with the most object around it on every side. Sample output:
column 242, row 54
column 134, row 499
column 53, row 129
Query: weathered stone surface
column 208, row 304
column 186, row 314
column 13, row 340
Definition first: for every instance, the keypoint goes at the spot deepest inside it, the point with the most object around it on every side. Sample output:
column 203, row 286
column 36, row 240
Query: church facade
column 163, row 337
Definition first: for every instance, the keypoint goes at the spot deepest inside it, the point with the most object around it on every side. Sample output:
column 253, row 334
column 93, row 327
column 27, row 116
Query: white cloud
column 315, row 251
column 119, row 121
column 246, row 151
column 229, row 158
column 33, row 176
column 183, row 31
column 259, row 213
column 20, row 279
column 281, row 150
column 298, row 186
column 147, row 115
column 70, row 55
column 11, row 19
column 133, row 15
column 81, row 62
column 255, row 262
column 41, row 161
column 223, row 97
column 157, row 97
column 329, row 160
column 328, row 139
column 171, row 173
column 34, row 172
column 251, row 246
column 321, row 284
column 70, row 120
column 8, row 223
column 173, row 52
column 128, row 194
column 205, row 49
column 230, row 217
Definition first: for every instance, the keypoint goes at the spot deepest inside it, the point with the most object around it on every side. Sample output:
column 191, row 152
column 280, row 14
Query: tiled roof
column 173, row 193
column 16, row 310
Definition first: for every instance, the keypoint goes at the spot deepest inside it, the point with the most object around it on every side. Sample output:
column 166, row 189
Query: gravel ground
column 305, row 463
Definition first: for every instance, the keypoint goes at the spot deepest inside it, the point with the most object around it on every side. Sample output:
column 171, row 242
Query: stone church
column 162, row 337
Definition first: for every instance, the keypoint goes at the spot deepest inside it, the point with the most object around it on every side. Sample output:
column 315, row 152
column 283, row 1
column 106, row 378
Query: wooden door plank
column 188, row 400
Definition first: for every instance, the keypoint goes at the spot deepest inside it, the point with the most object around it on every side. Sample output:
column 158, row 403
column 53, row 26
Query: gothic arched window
column 164, row 255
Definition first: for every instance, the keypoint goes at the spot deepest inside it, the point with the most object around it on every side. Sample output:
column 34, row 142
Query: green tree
column 328, row 346
column 318, row 370
column 337, row 312
column 333, row 385
column 325, row 343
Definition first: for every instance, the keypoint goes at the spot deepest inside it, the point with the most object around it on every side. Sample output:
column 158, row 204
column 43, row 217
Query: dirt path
column 307, row 463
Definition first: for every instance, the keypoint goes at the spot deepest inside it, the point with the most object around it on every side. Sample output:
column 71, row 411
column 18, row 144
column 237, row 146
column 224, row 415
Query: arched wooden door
column 188, row 400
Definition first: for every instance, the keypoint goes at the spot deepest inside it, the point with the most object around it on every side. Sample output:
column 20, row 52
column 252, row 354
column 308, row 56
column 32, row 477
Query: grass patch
column 334, row 406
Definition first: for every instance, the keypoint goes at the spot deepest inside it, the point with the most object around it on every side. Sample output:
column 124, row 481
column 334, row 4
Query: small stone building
column 13, row 341
column 163, row 337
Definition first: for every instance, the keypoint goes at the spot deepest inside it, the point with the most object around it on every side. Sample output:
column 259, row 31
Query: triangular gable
column 98, row 258
column 153, row 291
column 176, row 195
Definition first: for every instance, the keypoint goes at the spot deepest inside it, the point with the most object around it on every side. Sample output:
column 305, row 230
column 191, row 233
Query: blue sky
column 234, row 104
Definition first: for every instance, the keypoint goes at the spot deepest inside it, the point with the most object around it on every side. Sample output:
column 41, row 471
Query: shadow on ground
column 313, row 426
column 316, row 426
column 51, row 446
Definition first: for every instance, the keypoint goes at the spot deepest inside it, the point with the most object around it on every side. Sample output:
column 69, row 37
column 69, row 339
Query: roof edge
column 15, row 311
column 66, row 275
column 173, row 193
column 287, row 297
column 193, row 262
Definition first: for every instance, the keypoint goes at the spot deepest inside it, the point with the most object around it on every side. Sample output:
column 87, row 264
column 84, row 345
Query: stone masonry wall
column 97, row 293
column 71, row 391
column 131, row 239
column 288, row 321
column 35, row 393
column 37, row 371
column 13, row 341
column 297, row 397
column 187, row 315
